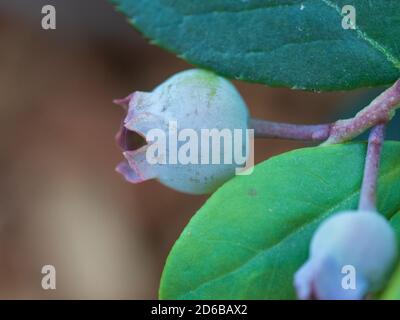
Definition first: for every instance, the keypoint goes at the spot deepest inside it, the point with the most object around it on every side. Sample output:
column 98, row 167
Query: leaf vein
column 364, row 36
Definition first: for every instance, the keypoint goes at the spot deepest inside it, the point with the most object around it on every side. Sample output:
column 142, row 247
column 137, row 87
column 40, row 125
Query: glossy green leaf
column 253, row 233
column 290, row 43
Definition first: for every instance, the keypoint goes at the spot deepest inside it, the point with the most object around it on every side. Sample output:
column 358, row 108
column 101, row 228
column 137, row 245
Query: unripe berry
column 193, row 99
column 362, row 240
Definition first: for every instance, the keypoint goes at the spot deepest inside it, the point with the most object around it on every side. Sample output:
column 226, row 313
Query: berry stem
column 269, row 129
column 371, row 169
column 379, row 111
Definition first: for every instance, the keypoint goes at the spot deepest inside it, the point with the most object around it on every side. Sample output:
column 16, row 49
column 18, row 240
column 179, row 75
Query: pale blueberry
column 193, row 99
column 362, row 242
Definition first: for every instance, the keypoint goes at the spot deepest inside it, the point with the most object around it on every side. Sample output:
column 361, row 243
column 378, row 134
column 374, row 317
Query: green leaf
column 251, row 236
column 292, row 43
column 392, row 291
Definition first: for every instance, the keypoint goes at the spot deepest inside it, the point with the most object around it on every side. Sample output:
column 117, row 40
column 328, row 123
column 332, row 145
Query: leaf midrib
column 361, row 34
column 364, row 36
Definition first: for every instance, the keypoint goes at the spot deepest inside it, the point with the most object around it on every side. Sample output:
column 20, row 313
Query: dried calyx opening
column 129, row 140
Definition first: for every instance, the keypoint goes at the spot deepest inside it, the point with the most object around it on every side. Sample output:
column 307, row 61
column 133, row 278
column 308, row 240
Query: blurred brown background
column 61, row 203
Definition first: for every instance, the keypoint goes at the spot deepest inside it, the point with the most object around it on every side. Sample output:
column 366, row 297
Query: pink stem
column 380, row 110
column 269, row 129
column 371, row 169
